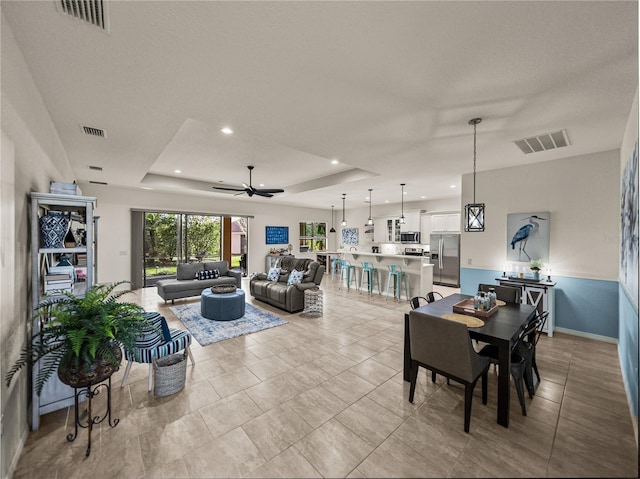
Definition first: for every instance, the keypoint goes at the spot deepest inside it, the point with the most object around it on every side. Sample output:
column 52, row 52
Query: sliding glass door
column 171, row 238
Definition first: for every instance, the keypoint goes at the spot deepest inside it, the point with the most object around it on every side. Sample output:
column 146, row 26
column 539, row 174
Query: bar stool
column 348, row 272
column 335, row 266
column 399, row 277
column 372, row 274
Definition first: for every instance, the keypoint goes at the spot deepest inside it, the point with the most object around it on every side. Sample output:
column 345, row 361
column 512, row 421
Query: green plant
column 78, row 329
column 536, row 265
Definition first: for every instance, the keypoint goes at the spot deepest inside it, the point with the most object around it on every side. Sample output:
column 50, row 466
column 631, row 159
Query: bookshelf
column 69, row 267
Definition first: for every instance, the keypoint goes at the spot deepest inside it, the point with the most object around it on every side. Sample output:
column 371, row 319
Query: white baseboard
column 582, row 334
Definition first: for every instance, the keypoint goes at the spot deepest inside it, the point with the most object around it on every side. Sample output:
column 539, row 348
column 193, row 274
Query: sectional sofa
column 192, row 278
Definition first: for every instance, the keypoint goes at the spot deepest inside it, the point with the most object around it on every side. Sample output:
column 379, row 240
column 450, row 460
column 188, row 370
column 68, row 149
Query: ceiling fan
column 250, row 190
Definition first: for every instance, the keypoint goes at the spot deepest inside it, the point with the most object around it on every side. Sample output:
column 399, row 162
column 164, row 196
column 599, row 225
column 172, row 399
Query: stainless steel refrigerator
column 445, row 257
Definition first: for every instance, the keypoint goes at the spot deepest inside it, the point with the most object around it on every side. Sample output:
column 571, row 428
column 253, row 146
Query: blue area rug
column 207, row 331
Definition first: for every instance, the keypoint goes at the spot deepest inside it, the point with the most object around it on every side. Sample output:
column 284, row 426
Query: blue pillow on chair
column 274, row 274
column 295, row 277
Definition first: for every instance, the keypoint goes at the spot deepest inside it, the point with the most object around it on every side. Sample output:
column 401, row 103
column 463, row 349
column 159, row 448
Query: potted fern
column 82, row 337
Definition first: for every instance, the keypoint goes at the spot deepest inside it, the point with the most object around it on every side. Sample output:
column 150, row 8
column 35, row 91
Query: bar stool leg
column 388, row 286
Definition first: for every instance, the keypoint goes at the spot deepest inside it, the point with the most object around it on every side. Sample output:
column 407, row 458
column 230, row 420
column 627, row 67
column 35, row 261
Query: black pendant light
column 332, row 230
column 402, row 205
column 370, row 220
column 344, row 221
column 474, row 212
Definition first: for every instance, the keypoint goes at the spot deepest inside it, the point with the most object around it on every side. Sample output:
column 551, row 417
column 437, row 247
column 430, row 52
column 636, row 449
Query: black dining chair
column 521, row 362
column 530, row 340
column 444, row 347
column 429, row 297
column 508, row 294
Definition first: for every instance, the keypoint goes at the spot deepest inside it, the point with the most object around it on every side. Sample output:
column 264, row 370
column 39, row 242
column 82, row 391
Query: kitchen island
column 418, row 269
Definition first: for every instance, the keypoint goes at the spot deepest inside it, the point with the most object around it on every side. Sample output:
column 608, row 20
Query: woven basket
column 170, row 373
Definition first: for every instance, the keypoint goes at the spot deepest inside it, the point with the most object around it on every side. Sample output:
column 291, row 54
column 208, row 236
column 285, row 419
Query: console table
column 541, row 294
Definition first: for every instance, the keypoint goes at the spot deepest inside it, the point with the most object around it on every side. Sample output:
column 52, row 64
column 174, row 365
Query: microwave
column 410, row 237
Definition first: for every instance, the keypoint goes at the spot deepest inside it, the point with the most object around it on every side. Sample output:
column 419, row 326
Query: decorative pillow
column 208, row 274
column 295, row 277
column 274, row 274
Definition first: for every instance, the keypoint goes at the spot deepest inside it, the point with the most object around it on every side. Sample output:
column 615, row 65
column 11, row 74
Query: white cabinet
column 445, row 222
column 67, row 265
column 425, row 229
column 411, row 222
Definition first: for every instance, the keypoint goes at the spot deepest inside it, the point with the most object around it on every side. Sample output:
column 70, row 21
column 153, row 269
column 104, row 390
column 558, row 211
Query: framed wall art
column 277, row 234
column 528, row 236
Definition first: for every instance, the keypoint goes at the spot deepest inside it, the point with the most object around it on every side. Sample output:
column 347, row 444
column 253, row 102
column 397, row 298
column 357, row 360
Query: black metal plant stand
column 91, row 391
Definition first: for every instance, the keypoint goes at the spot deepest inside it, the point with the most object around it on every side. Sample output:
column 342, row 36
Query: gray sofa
column 186, row 283
column 283, row 296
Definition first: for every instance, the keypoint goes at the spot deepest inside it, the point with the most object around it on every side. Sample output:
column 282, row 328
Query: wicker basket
column 170, row 373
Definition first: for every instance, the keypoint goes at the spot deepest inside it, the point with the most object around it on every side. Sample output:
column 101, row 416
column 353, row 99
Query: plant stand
column 90, row 392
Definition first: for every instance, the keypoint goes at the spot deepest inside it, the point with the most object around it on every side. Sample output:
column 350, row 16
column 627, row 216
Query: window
column 313, row 237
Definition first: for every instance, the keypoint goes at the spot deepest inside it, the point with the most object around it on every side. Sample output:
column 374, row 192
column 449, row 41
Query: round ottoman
column 222, row 307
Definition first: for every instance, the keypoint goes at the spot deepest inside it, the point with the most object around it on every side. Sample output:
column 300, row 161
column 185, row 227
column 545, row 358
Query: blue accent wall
column 586, row 305
column 628, row 348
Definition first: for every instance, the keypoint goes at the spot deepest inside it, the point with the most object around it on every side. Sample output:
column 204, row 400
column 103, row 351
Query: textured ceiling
column 387, row 88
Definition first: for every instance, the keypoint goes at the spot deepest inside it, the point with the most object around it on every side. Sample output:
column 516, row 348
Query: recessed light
column 177, row 171
column 146, row 188
column 386, row 201
column 334, row 162
column 404, row 193
column 226, row 130
column 452, row 186
column 422, row 197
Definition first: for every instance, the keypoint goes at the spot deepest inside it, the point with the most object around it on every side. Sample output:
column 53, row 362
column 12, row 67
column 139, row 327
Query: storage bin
column 170, row 373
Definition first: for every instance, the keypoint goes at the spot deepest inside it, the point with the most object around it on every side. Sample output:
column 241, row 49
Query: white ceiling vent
column 93, row 12
column 90, row 130
column 548, row 141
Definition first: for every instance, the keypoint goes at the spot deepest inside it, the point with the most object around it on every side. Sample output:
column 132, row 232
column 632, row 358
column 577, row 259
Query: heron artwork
column 524, row 233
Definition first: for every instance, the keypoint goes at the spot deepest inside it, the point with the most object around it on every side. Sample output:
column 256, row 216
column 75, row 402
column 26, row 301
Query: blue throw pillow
column 166, row 334
column 295, row 277
column 274, row 274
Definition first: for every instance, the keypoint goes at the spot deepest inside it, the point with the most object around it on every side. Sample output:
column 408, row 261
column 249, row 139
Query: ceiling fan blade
column 269, row 190
column 227, row 189
column 263, row 193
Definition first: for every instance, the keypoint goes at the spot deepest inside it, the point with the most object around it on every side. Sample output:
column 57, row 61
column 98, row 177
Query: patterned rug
column 207, row 331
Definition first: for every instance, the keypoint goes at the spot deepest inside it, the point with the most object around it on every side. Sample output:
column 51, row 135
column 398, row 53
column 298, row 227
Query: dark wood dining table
column 502, row 329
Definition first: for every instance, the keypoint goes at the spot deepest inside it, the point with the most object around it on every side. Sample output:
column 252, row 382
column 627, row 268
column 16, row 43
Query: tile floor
column 325, row 398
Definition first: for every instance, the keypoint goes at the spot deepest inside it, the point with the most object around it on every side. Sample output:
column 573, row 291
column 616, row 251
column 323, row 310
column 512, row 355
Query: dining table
column 502, row 329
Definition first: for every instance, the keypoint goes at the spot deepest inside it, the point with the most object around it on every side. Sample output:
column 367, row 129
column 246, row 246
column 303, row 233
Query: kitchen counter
column 419, row 270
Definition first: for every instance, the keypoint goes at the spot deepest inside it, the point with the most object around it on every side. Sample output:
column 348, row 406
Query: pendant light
column 332, row 230
column 474, row 212
column 344, row 221
column 402, row 205
column 370, row 220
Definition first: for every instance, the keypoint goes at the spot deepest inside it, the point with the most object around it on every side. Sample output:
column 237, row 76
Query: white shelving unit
column 55, row 394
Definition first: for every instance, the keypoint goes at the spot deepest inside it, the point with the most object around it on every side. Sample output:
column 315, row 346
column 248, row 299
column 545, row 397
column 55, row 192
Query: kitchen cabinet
column 74, row 273
column 449, row 222
column 411, row 222
column 425, row 228
column 387, row 230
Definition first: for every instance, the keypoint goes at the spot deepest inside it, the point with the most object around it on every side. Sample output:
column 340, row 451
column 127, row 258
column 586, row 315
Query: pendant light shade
column 332, row 230
column 370, row 220
column 474, row 212
column 344, row 221
column 402, row 205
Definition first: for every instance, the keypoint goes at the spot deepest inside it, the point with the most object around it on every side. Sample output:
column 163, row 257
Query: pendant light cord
column 474, row 161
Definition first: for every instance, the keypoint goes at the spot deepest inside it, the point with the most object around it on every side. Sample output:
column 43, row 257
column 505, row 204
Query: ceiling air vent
column 548, row 141
column 98, row 183
column 89, row 130
column 96, row 168
column 93, row 12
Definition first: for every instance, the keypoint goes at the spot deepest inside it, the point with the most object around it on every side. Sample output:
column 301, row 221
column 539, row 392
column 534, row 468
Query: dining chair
column 508, row 294
column 530, row 340
column 521, row 362
column 431, row 296
column 155, row 341
column 444, row 347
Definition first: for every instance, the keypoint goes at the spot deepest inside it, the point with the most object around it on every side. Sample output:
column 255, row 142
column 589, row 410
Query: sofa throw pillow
column 295, row 277
column 208, row 274
column 274, row 274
